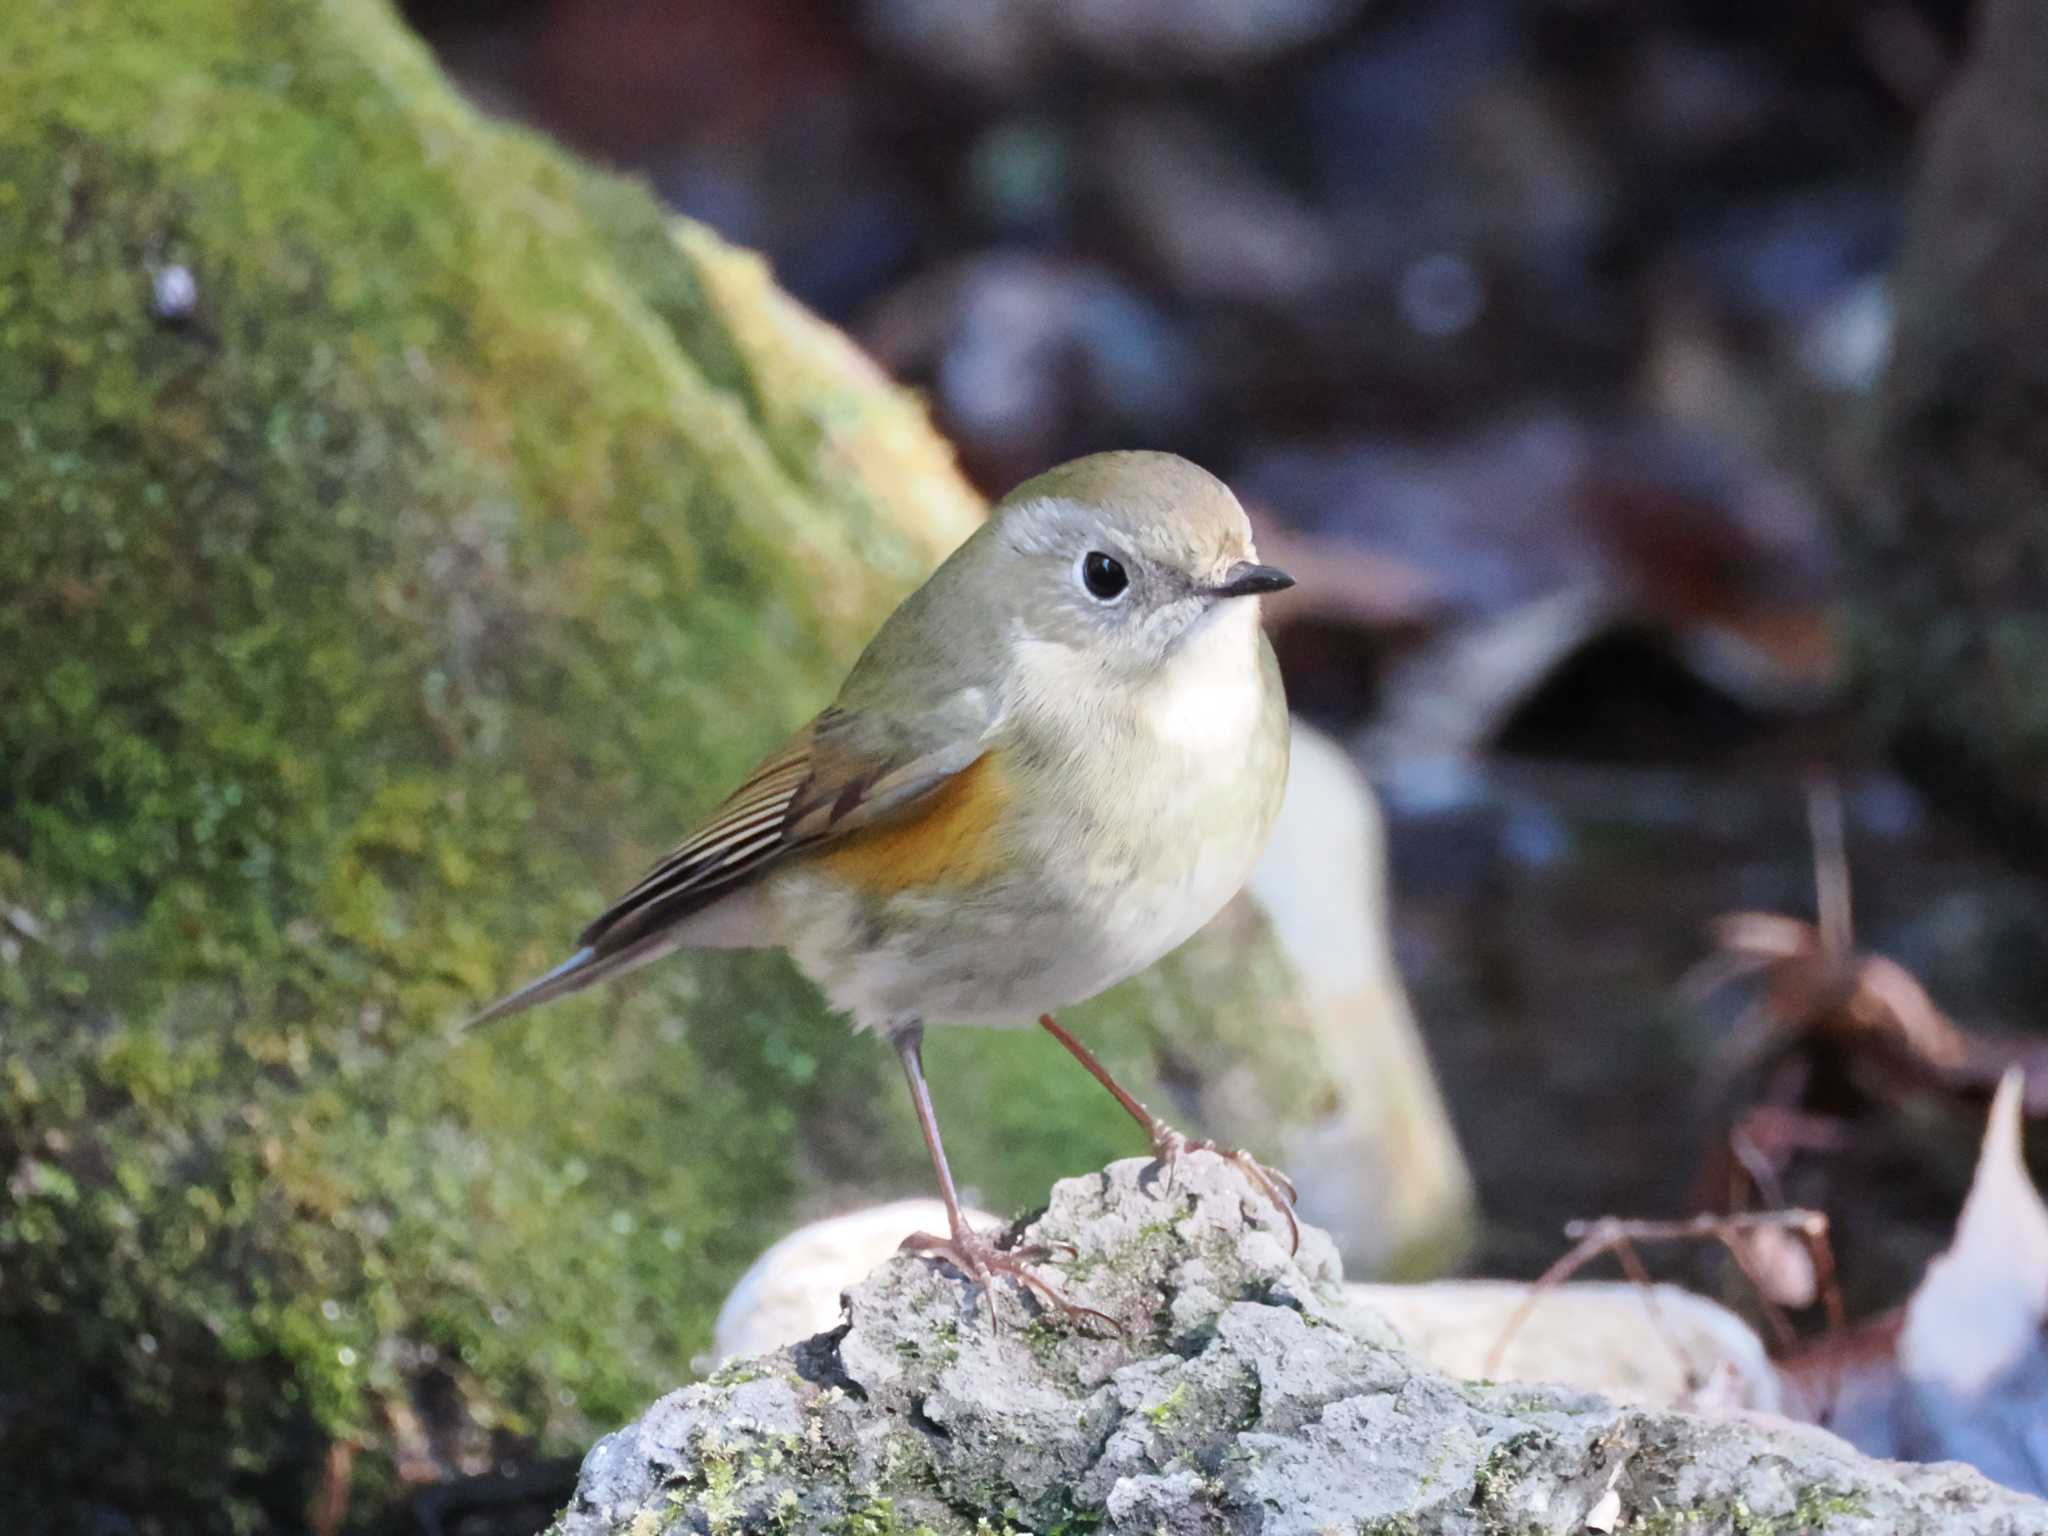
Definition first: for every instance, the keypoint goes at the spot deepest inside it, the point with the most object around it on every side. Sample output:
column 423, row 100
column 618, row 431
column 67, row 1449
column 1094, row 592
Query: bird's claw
column 980, row 1260
column 1038, row 1253
column 1168, row 1146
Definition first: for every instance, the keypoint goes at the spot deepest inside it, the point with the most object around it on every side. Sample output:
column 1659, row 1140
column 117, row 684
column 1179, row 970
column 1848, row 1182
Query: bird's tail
column 572, row 975
column 586, row 968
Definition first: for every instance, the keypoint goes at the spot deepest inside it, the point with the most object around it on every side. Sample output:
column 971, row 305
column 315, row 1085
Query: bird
column 1055, row 761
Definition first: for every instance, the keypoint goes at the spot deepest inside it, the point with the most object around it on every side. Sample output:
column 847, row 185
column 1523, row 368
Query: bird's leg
column 1168, row 1144
column 974, row 1255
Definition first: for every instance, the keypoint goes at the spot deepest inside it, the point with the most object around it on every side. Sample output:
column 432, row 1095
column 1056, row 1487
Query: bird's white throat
column 1207, row 694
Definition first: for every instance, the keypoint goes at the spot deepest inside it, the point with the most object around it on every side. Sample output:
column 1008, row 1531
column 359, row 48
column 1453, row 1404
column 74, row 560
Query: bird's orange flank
column 948, row 838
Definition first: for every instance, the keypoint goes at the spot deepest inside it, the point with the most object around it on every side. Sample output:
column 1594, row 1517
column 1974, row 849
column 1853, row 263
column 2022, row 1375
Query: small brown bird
column 1057, row 760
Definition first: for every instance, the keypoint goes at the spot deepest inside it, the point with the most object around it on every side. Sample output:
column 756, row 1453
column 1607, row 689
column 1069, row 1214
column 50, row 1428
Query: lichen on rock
column 1241, row 1397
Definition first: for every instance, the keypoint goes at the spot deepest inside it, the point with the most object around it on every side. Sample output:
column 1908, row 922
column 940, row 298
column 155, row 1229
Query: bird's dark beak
column 1247, row 580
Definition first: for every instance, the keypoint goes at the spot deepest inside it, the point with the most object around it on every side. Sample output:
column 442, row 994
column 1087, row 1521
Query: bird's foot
column 981, row 1261
column 1168, row 1146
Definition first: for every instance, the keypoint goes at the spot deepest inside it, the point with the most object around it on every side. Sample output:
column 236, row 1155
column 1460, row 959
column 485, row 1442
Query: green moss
column 378, row 616
column 877, row 1517
column 1816, row 1512
column 1817, row 1509
column 1045, row 1338
column 738, row 1373
column 1495, row 1477
column 367, row 625
column 1161, row 1413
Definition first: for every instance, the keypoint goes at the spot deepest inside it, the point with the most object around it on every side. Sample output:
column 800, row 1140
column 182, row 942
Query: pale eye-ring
column 1103, row 576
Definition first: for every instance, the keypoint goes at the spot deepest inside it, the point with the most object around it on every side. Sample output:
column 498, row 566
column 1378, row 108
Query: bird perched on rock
column 1056, row 760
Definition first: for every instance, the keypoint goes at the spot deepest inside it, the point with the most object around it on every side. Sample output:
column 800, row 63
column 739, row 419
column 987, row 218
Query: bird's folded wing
column 843, row 771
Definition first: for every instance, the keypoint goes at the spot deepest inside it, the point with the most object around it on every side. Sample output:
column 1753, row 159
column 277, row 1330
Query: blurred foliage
column 1944, row 527
column 406, row 530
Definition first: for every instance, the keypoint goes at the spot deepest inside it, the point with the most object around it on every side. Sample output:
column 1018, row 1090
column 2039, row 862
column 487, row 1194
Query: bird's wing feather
column 857, row 763
column 843, row 771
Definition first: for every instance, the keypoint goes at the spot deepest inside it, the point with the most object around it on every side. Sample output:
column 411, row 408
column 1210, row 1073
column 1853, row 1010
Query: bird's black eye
column 1103, row 576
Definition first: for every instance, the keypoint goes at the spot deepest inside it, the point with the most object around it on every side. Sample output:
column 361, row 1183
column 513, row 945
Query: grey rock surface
column 1242, row 1397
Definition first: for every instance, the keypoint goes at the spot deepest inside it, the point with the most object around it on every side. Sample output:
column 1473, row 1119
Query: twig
column 329, row 1505
column 1830, row 871
column 1618, row 1235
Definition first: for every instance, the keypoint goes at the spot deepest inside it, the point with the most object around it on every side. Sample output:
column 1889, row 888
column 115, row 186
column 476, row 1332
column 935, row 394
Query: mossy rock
column 406, row 530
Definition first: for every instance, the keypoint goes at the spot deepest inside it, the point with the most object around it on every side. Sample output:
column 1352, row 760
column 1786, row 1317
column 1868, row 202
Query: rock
column 794, row 1289
column 1670, row 1349
column 407, row 531
column 1664, row 1348
column 1237, row 1400
column 1941, row 521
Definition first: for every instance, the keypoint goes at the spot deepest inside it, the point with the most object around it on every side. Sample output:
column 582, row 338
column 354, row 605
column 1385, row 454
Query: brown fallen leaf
column 1823, row 1011
column 1981, row 1307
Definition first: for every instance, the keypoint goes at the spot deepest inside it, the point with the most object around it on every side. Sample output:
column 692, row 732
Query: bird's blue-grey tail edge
column 586, row 968
column 580, row 970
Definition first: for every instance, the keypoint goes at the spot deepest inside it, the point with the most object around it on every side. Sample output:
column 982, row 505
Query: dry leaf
column 1980, row 1309
column 1969, row 1379
column 1603, row 1515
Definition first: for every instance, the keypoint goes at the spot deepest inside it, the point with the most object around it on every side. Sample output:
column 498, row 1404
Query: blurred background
column 1535, row 334
column 1644, row 393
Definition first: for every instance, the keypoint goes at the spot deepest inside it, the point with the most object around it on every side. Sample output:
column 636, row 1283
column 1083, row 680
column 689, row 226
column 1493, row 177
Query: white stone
column 1322, row 882
column 1661, row 1347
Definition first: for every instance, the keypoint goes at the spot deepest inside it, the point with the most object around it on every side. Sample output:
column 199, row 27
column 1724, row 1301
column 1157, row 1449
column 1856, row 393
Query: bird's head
column 1125, row 556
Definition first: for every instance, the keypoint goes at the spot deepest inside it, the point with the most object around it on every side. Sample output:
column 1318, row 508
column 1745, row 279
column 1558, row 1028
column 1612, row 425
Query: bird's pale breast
column 1098, row 832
